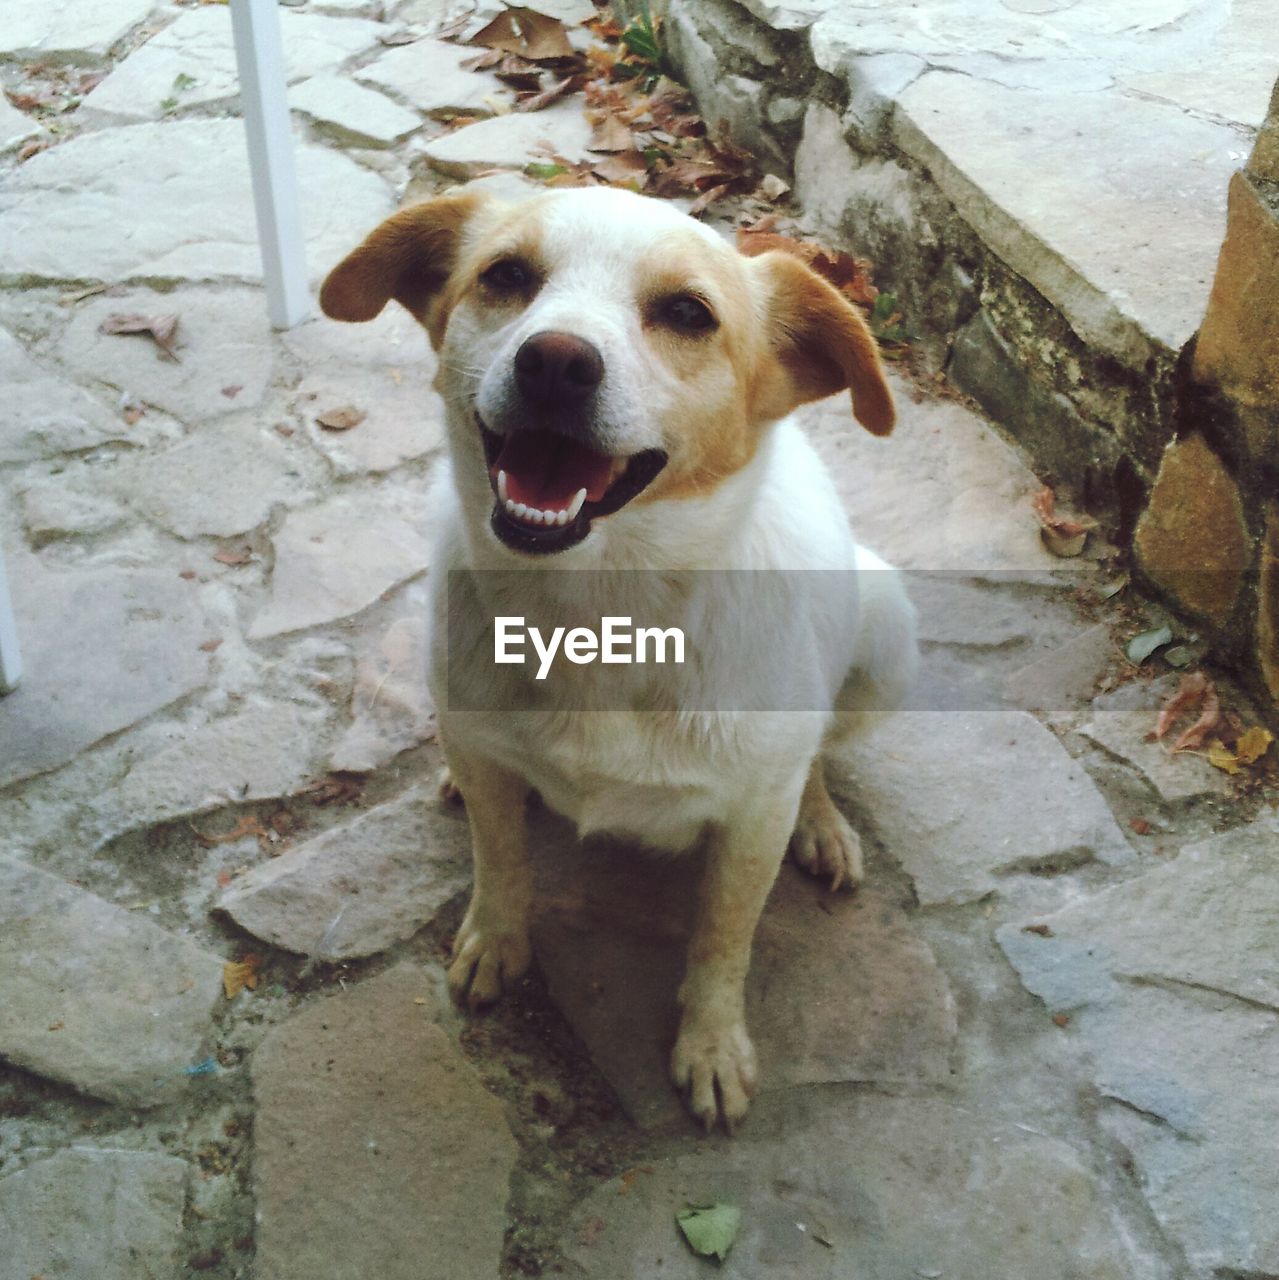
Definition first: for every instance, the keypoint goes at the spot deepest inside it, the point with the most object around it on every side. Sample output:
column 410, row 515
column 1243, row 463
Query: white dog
column 618, row 379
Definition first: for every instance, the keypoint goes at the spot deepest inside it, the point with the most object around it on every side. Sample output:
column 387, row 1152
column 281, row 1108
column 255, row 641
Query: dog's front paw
column 489, row 953
column 715, row 1067
column 826, row 846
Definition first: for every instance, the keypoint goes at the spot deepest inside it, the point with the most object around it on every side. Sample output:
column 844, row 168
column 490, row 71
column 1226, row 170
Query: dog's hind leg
column 823, row 843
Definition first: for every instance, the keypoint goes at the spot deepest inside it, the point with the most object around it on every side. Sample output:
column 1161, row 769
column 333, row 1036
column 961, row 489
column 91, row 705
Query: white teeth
column 531, row 515
column 562, row 518
column 519, row 511
column 501, row 487
column 576, row 505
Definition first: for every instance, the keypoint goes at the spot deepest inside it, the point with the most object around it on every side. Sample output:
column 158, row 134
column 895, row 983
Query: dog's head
column 606, row 349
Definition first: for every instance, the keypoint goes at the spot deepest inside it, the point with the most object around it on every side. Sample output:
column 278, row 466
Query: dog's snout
column 557, row 370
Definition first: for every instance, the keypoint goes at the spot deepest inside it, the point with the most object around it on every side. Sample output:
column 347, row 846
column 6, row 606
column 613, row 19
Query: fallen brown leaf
column 850, row 275
column 341, row 419
column 1189, row 695
column 337, row 788
column 161, row 329
column 240, row 974
column 241, row 556
column 246, row 825
column 1063, row 536
column 539, row 101
column 1140, row 826
column 531, row 34
column 33, row 147
column 1042, row 930
column 210, row 646
column 1061, row 1019
column 622, row 167
column 611, row 134
column 706, row 199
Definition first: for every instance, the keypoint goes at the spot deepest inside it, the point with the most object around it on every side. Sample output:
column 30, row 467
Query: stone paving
column 1041, row 1040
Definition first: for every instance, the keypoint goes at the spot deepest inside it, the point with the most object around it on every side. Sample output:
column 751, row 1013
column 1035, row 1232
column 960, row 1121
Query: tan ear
column 408, row 257
column 822, row 345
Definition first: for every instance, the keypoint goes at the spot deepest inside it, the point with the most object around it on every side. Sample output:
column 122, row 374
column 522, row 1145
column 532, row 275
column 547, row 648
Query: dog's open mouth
column 550, row 487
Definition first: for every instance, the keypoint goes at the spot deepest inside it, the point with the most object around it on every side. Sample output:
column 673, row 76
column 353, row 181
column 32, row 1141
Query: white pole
column 260, row 56
column 10, row 658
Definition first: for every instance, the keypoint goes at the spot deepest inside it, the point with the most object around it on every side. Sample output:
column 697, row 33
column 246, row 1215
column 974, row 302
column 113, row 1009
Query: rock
column 1264, row 161
column 1268, row 604
column 376, row 1148
column 181, row 189
column 1063, row 682
column 53, row 508
column 224, row 479
column 973, row 614
column 947, row 462
column 511, row 141
column 96, row 997
column 1119, row 240
column 879, row 1204
column 15, row 126
column 1120, row 723
column 404, row 416
column 840, row 988
column 92, row 1214
column 934, row 786
column 428, row 76
column 132, row 648
column 391, row 707
column 335, row 559
column 258, row 753
column 54, row 416
column 1191, row 538
column 223, row 341
column 1204, row 920
column 74, row 30
column 355, row 114
column 1238, row 345
column 822, row 163
column 359, row 887
column 191, row 63
column 1171, row 986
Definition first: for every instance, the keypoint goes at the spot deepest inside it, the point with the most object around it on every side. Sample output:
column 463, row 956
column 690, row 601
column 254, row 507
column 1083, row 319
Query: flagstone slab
column 353, row 114
column 377, row 1151
column 178, row 196
column 361, row 886
column 68, row 29
column 429, row 76
column 935, row 786
column 104, row 648
column 91, row 1213
column 334, row 559
column 97, row 997
column 511, row 141
column 191, row 63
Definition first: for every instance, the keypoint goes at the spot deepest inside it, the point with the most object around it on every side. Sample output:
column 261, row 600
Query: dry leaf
column 1043, row 930
column 706, row 199
column 1209, row 721
column 611, row 134
column 210, row 646
column 246, row 825
column 237, row 975
column 1253, row 744
column 1189, row 694
column 33, row 148
column 341, row 419
column 162, row 329
column 525, row 31
column 240, row 556
column 337, row 788
column 539, row 101
column 623, row 167
column 851, row 276
column 1061, row 1019
column 1063, row 536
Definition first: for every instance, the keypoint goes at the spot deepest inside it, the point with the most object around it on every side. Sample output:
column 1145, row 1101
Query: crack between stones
column 1177, row 985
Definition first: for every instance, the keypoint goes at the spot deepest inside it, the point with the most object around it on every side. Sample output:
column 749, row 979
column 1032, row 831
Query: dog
column 619, row 383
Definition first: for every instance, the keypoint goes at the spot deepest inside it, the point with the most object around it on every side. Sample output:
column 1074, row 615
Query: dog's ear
column 821, row 345
column 408, row 258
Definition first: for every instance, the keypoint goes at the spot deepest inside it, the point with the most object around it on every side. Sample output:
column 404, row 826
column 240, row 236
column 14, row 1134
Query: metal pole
column 260, row 56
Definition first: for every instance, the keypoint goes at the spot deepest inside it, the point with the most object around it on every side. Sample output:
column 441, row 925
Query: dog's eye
column 687, row 314
column 508, row 275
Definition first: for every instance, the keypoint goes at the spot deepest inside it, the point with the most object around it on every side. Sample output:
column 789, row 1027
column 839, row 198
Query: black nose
column 557, row 370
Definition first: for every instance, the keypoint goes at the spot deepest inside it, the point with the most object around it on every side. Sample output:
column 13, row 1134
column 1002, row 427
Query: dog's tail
column 887, row 651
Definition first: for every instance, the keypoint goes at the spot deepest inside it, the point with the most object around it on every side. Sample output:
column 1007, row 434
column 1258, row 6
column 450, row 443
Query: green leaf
column 1179, row 657
column 1111, row 589
column 182, row 81
column 710, row 1229
column 544, row 172
column 1140, row 647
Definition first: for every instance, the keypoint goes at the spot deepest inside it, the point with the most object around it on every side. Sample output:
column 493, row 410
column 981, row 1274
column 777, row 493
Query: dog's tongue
column 545, row 470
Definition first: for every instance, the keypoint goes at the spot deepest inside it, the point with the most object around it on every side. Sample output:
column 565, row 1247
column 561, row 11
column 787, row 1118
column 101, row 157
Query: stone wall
column 1165, row 438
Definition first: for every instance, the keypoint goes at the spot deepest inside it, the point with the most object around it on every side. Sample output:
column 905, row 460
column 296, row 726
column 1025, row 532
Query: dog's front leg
column 492, row 946
column 714, row 1059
